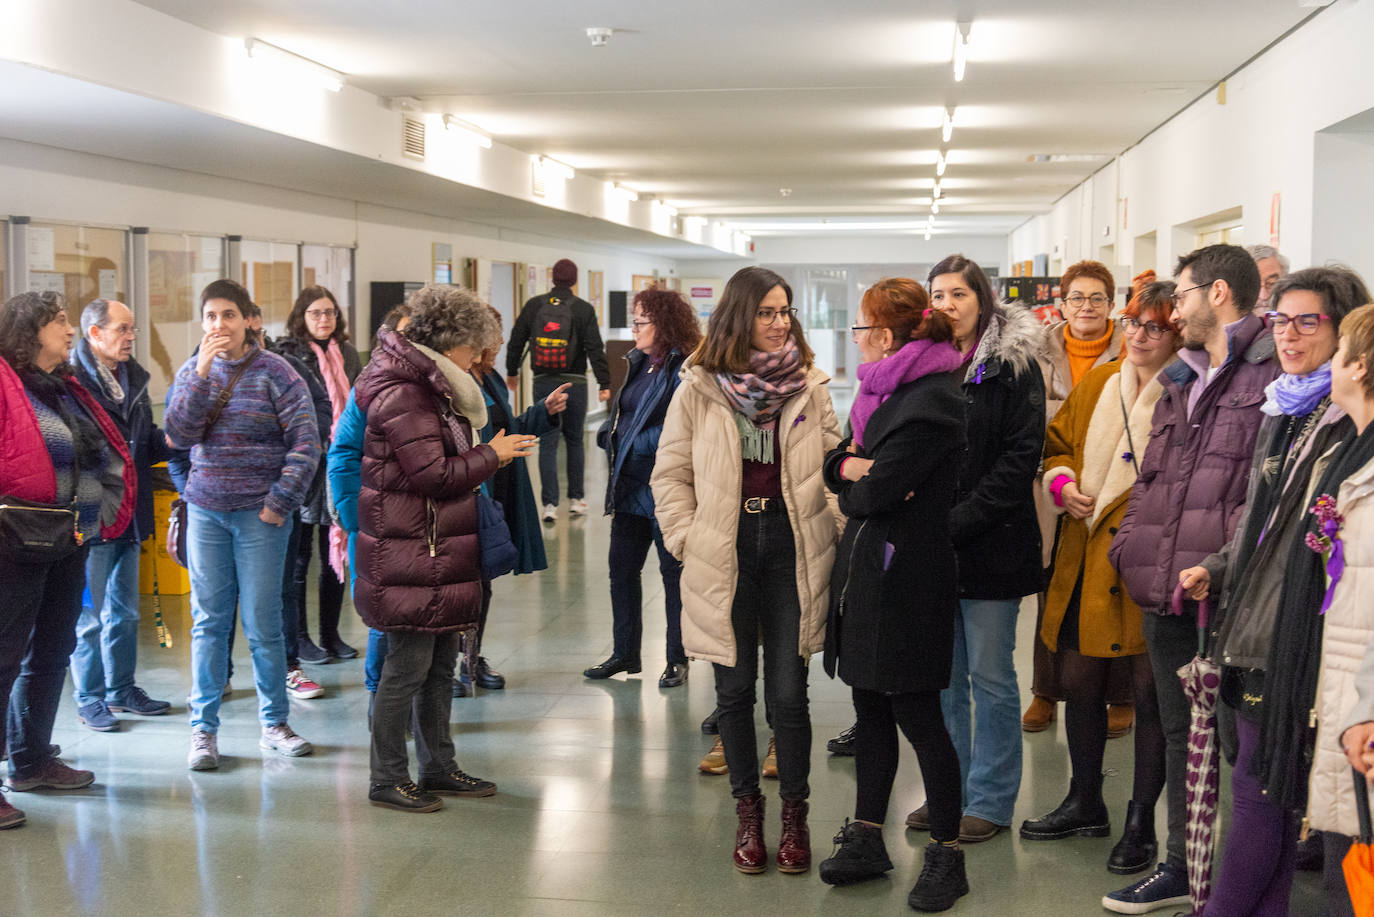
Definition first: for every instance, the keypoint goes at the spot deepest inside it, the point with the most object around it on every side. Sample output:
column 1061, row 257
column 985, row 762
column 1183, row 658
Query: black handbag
column 38, row 532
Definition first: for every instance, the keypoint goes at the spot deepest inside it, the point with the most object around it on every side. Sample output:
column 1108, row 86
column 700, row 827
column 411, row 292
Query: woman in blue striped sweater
column 250, row 470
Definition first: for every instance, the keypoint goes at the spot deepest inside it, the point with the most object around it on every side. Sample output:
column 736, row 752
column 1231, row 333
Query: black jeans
column 331, row 590
column 417, row 680
column 631, row 537
column 1172, row 643
column 875, row 756
column 37, row 635
column 570, row 429
column 766, row 605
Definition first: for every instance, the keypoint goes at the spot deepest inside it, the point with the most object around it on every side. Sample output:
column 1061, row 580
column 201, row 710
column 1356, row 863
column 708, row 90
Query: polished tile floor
column 601, row 810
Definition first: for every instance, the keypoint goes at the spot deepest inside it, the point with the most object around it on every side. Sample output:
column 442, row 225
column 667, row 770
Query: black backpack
column 552, row 339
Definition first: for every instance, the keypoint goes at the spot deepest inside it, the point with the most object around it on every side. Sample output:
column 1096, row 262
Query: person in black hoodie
column 894, row 591
column 995, row 533
column 665, row 331
column 107, row 631
column 562, row 333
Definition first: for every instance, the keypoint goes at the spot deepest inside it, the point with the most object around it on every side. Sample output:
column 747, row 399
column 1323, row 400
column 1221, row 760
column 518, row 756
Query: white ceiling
column 716, row 105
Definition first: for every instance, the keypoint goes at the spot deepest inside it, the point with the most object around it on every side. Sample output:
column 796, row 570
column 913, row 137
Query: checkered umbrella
column 1201, row 680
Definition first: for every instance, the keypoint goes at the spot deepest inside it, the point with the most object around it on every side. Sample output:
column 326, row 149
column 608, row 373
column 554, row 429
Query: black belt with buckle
column 755, row 505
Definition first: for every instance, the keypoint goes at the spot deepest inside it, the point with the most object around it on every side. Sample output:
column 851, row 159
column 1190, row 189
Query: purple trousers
column 1261, row 849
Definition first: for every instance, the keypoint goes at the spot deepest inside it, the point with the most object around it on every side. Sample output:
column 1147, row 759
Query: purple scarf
column 878, row 380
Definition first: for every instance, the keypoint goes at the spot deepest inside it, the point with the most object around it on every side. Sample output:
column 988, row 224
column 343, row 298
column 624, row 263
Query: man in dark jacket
column 1188, row 500
column 563, row 335
column 107, row 631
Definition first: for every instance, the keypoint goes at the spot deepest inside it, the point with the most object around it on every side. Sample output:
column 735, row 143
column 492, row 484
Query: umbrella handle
column 1204, row 608
column 1362, row 807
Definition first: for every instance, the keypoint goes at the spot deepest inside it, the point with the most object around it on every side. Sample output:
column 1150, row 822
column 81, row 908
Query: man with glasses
column 1188, row 500
column 107, row 631
column 1084, row 338
column 1272, row 268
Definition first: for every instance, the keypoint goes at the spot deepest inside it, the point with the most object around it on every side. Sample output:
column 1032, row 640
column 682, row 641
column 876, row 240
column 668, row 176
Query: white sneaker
column 281, row 739
column 299, row 685
column 204, row 754
column 550, row 512
column 577, row 507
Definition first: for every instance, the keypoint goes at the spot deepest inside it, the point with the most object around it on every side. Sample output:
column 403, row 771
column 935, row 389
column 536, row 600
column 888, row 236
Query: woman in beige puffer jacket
column 741, row 502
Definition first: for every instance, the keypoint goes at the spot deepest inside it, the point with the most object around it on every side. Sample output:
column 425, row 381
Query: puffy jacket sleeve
column 673, row 481
column 413, row 429
column 1002, row 489
column 345, row 463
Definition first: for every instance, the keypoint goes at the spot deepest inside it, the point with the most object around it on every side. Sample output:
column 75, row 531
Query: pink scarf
column 878, row 380
column 331, row 365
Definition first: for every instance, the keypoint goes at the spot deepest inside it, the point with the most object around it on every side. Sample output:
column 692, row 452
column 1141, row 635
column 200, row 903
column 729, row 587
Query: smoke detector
column 599, row 35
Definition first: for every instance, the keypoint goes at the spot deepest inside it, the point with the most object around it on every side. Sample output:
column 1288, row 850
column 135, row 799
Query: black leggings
column 331, row 590
column 1085, row 681
column 875, row 756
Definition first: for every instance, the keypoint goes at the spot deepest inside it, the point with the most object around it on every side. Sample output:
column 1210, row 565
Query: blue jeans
column 631, row 537
column 37, row 632
column 235, row 556
column 574, row 419
column 984, row 677
column 107, row 631
column 375, row 659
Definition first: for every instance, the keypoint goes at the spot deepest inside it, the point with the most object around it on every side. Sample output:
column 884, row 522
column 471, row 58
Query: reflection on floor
column 600, row 811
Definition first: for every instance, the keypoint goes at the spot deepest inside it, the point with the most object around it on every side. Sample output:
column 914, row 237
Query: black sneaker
column 309, row 652
column 859, row 854
column 843, row 744
column 942, row 881
column 711, row 725
column 457, row 783
column 407, row 797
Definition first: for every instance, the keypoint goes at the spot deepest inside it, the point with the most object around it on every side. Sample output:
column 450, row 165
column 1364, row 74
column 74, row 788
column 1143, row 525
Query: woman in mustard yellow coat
column 1093, row 450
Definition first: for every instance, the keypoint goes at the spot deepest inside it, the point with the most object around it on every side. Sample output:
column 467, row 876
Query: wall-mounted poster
column 641, row 282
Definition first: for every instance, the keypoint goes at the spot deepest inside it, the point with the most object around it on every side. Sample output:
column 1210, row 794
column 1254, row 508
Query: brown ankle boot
column 794, row 847
column 750, row 855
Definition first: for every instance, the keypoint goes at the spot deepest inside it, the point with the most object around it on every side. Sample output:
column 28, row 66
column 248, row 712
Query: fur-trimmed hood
column 1014, row 336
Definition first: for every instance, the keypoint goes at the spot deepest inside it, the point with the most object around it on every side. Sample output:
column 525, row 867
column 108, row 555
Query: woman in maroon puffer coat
column 418, row 560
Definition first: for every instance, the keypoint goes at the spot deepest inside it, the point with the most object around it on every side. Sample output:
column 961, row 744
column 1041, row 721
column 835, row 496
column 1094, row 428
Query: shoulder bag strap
column 1130, row 441
column 226, row 393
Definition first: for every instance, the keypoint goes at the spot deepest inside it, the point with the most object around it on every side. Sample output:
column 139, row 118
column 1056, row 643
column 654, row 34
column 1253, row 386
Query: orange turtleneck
column 1083, row 354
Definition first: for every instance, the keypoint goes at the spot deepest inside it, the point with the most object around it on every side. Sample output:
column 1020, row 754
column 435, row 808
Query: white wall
column 905, row 249
column 1344, row 201
column 1213, row 157
column 60, row 185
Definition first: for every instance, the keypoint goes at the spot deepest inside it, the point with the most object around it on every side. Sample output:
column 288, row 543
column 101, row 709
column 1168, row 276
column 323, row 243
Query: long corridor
column 601, row 810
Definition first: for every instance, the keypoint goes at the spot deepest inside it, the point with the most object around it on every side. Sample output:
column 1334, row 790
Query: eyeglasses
column 1307, row 323
column 768, row 316
column 1178, row 294
column 855, row 329
column 1078, row 299
column 641, row 322
column 122, row 330
column 319, row 315
column 1153, row 330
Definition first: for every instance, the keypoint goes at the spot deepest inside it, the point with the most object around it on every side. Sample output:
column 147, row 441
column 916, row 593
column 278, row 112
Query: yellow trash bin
column 172, row 578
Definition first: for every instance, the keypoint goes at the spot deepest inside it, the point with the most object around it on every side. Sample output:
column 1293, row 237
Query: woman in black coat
column 893, row 593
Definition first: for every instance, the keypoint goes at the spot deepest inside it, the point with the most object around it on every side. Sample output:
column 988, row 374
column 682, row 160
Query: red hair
column 902, row 306
column 1090, row 270
column 1151, row 300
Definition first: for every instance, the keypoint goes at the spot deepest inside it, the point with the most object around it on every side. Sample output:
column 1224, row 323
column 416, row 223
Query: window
column 268, row 270
column 331, row 266
column 80, row 262
column 179, row 267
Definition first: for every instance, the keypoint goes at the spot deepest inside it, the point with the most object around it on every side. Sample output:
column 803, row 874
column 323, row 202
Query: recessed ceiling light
column 947, row 129
column 785, row 192
column 961, row 49
column 599, row 35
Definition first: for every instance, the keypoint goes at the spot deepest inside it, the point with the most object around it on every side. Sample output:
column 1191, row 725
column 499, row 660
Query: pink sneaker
column 298, row 684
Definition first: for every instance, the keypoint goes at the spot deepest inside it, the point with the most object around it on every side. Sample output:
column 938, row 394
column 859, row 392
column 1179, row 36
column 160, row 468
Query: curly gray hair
column 443, row 317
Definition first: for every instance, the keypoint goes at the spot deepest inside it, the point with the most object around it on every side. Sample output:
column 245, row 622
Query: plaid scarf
column 772, row 378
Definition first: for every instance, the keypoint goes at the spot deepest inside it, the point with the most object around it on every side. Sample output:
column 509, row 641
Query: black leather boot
column 1081, row 814
column 1137, row 849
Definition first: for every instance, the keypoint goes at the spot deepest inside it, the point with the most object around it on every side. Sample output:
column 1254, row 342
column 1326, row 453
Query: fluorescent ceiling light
column 285, row 61
column 960, row 49
column 935, row 190
column 1066, row 157
column 940, row 165
column 947, row 130
column 934, row 206
column 467, row 131
column 927, row 235
column 557, row 168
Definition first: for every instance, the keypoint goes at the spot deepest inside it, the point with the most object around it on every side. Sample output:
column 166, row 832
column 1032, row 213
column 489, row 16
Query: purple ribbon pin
column 800, row 418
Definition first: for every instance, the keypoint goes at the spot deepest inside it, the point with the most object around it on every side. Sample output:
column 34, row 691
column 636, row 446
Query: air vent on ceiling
column 412, row 137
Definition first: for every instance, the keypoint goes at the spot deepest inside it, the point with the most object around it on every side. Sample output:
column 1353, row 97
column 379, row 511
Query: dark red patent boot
column 750, row 855
column 794, row 847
